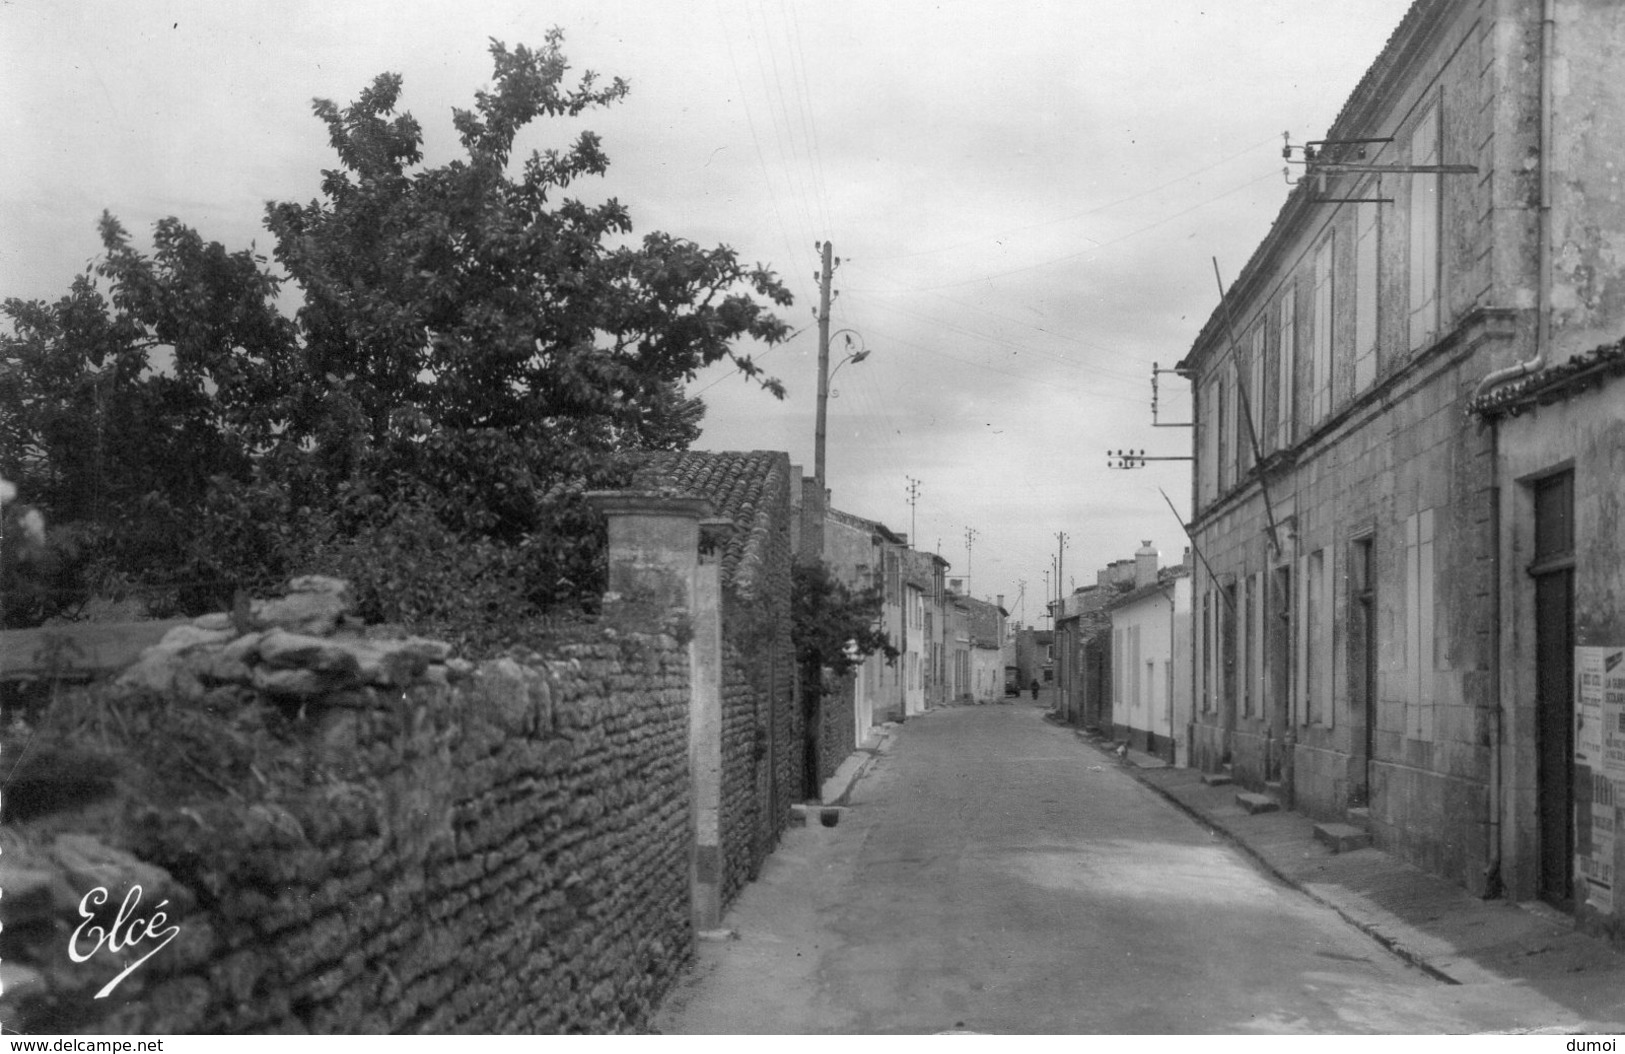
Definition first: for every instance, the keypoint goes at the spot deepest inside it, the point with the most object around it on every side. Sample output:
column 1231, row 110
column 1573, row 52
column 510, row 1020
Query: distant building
column 1150, row 685
column 1035, row 657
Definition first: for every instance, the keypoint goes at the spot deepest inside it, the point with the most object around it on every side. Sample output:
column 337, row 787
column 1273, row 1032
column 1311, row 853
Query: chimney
column 1000, row 600
column 1145, row 565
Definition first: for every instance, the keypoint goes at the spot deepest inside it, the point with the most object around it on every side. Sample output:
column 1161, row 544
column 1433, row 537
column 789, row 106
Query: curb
column 1390, row 943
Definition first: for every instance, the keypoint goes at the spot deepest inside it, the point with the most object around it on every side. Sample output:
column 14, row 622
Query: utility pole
column 913, row 501
column 823, row 362
column 823, row 396
column 970, row 539
column 1060, row 564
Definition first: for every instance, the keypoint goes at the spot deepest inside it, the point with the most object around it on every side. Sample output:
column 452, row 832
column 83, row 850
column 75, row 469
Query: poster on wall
column 1599, row 762
column 1594, row 836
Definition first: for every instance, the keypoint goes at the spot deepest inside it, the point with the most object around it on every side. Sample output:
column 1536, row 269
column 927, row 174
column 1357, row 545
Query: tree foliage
column 835, row 627
column 471, row 351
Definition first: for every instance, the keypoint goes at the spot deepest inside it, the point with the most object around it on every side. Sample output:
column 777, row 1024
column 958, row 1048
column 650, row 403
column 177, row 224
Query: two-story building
column 1373, row 552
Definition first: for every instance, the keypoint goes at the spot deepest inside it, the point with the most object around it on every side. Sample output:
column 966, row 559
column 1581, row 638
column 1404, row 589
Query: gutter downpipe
column 1494, row 884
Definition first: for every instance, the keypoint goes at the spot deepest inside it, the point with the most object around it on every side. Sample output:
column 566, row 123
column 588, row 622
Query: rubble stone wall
column 762, row 732
column 423, row 845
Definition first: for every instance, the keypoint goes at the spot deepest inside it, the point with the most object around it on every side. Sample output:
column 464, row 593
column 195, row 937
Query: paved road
column 996, row 875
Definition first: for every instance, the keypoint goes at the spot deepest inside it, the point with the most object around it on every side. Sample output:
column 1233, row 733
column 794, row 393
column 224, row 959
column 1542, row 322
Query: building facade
column 1150, row 687
column 1350, row 613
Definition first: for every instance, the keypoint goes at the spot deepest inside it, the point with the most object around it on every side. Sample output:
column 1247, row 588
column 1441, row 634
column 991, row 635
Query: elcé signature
column 128, row 930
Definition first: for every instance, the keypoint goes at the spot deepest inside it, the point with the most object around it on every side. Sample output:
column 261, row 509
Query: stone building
column 1356, row 602
column 1035, row 657
column 1559, row 441
column 856, row 551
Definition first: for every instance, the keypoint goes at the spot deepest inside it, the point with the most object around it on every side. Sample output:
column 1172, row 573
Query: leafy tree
column 119, row 409
column 835, row 629
column 472, row 345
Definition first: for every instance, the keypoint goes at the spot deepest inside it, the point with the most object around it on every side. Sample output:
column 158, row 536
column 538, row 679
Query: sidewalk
column 1434, row 924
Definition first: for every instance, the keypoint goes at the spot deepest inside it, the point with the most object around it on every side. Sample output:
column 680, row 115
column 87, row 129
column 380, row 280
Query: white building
column 1151, row 691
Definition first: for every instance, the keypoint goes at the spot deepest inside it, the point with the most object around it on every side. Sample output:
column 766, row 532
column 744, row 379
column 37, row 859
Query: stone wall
column 762, row 728
column 837, row 735
column 355, row 832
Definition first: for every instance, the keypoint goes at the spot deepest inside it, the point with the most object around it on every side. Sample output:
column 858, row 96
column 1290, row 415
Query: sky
column 1026, row 199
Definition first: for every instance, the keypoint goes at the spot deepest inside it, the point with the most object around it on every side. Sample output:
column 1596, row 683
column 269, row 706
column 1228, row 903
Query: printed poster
column 1599, row 761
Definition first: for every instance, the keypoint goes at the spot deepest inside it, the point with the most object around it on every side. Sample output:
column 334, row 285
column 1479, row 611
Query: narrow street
column 996, row 875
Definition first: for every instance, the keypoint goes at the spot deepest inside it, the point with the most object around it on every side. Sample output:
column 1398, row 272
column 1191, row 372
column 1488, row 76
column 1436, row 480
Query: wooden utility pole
column 813, row 544
column 823, row 366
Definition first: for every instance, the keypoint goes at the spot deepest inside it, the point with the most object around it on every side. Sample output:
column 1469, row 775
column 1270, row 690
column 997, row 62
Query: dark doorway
column 1553, row 571
column 1278, row 657
column 1228, row 658
column 1363, row 663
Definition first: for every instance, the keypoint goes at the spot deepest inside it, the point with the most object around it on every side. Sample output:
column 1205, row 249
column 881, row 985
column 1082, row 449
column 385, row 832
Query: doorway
column 1363, row 663
column 1553, row 572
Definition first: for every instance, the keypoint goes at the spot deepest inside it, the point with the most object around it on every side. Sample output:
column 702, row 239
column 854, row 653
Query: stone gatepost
column 664, row 550
column 705, row 726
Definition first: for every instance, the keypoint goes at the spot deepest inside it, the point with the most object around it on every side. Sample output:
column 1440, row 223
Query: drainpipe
column 1493, row 884
column 1543, row 324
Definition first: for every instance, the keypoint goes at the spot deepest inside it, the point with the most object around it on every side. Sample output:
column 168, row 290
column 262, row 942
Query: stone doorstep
column 1217, row 779
column 801, row 814
column 1342, row 837
column 1257, row 803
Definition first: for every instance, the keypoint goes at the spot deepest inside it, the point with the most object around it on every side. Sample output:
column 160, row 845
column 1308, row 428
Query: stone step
column 1341, row 837
column 1216, row 779
column 1257, row 803
column 1360, row 817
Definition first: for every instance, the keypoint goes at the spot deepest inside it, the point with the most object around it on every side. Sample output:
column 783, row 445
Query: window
column 1285, row 361
column 1284, row 654
column 1424, row 231
column 1314, row 638
column 1210, row 442
column 1419, row 624
column 1248, row 600
column 1320, row 380
column 1366, row 263
column 1226, row 386
column 1207, row 651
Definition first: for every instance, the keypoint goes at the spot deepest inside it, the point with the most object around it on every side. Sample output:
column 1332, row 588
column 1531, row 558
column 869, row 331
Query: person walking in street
column 1035, row 689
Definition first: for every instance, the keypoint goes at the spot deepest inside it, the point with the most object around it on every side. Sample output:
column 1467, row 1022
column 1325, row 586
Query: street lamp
column 852, row 356
column 824, row 376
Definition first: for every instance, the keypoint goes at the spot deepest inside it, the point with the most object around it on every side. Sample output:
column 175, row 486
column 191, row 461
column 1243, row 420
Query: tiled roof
column 1165, row 576
column 740, row 486
column 873, row 526
column 1564, row 380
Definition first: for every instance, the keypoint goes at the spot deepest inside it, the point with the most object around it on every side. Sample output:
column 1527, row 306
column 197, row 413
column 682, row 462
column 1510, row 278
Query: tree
column 835, row 629
column 119, row 408
column 472, row 348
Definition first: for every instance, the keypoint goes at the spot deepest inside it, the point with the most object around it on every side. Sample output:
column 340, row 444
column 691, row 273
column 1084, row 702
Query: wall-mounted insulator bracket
column 1130, row 459
column 1325, row 159
column 1155, row 370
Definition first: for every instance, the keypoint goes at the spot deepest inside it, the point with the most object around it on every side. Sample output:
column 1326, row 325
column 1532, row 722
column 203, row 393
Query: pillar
column 665, row 552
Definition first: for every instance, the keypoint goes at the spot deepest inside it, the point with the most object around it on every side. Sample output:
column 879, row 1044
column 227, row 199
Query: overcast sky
column 1026, row 198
